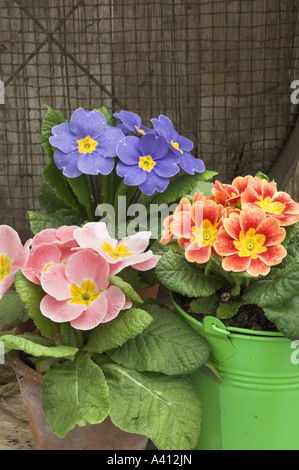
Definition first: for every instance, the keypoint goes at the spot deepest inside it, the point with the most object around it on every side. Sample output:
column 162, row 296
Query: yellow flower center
column 87, row 145
column 176, row 145
column 272, row 207
column 250, row 244
column 205, row 234
column 5, row 264
column 85, row 294
column 147, row 163
column 121, row 251
column 141, row 131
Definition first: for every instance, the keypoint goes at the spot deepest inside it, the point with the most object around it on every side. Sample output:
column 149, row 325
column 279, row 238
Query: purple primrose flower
column 147, row 162
column 180, row 145
column 131, row 122
column 86, row 144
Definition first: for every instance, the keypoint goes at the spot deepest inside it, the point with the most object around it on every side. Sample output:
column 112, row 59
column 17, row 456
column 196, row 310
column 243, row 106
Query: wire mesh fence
column 220, row 69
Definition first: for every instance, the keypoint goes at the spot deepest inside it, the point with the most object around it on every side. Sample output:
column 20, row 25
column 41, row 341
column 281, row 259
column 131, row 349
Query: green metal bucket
column 257, row 405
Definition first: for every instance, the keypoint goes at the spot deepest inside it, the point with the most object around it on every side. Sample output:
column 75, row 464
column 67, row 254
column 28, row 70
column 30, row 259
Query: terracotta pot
column 103, row 436
column 149, row 293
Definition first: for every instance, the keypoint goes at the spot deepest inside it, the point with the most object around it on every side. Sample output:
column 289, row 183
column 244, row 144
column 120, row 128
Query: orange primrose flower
column 275, row 203
column 250, row 241
column 231, row 193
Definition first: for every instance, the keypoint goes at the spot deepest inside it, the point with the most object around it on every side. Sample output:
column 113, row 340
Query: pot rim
column 236, row 332
column 22, row 369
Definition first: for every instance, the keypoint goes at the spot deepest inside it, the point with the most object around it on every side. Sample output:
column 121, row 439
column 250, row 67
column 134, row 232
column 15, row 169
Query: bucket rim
column 236, row 332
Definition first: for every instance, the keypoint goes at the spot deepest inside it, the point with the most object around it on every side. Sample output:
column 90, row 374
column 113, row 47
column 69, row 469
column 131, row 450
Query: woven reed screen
column 220, row 69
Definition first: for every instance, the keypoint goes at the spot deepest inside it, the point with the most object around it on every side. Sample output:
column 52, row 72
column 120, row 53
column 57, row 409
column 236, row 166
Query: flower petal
column 63, row 138
column 116, row 301
column 258, row 267
column 274, row 255
column 153, row 145
column 232, row 225
column 153, row 183
column 84, row 123
column 181, row 226
column 94, row 164
column 93, row 315
column 191, row 165
column 10, row 243
column 128, row 151
column 251, row 217
column 224, row 244
column 60, row 311
column 270, row 228
column 236, row 263
column 147, row 265
column 194, row 254
column 133, row 175
column 55, row 283
column 67, row 163
column 87, row 265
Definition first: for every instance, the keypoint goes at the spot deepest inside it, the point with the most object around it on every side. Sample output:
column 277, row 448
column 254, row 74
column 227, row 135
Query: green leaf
column 165, row 409
column 58, row 182
column 210, row 370
column 48, row 201
column 53, row 118
column 178, row 275
column 32, row 295
column 43, row 364
column 285, row 316
column 34, row 348
column 115, row 333
column 70, row 336
column 81, row 189
column 181, row 186
column 12, row 309
column 74, row 393
column 124, row 190
column 126, row 288
column 228, row 310
column 108, row 117
column 279, row 286
column 39, row 222
column 168, row 346
column 204, row 305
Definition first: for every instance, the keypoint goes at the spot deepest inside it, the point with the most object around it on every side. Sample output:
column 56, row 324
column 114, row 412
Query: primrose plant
column 69, row 296
column 241, row 240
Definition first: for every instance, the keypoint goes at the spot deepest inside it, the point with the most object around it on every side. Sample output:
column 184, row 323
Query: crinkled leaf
column 126, row 288
column 71, row 336
column 279, row 286
column 74, row 393
column 39, row 222
column 34, row 348
column 32, row 295
column 166, row 409
column 48, row 201
column 52, row 118
column 115, row 333
column 285, row 316
column 204, row 305
column 12, row 309
column 228, row 310
column 168, row 346
column 178, row 275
